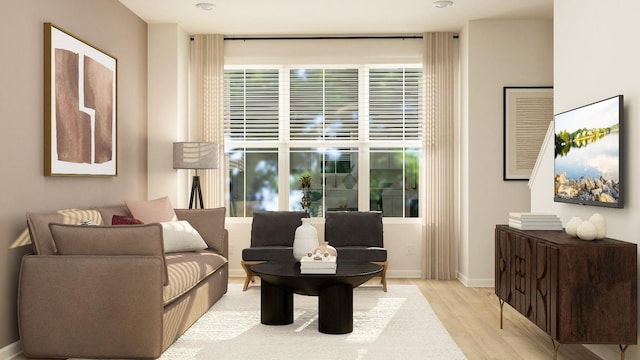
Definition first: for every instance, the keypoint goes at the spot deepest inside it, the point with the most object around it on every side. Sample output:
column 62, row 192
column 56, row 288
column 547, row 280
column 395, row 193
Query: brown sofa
column 116, row 295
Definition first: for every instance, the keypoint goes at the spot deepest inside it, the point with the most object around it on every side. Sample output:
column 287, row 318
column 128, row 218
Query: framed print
column 80, row 103
column 528, row 111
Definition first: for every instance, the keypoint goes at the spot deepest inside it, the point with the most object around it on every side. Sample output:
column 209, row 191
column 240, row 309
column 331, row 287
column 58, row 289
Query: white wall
column 168, row 51
column 106, row 24
column 596, row 57
column 494, row 54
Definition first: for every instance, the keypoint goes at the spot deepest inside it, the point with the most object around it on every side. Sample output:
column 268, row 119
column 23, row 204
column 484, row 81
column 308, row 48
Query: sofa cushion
column 38, row 224
column 149, row 211
column 109, row 240
column 187, row 269
column 268, row 253
column 275, row 228
column 109, row 211
column 353, row 228
column 209, row 223
column 362, row 253
column 180, row 236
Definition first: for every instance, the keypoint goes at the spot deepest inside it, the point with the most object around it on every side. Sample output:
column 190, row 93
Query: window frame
column 363, row 144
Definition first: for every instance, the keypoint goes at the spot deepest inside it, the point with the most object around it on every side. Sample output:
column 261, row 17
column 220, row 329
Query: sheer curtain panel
column 207, row 87
column 439, row 210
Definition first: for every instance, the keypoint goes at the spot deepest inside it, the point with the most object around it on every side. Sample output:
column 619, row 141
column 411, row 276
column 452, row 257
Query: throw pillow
column 180, row 236
column 124, row 220
column 145, row 240
column 150, row 211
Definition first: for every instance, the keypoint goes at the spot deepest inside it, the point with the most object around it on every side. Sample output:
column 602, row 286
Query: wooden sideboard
column 578, row 292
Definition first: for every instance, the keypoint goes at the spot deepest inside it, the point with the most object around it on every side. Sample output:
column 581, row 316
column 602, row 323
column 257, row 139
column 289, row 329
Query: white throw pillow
column 181, row 236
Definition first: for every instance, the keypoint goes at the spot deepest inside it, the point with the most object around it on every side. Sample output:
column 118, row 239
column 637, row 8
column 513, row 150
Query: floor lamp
column 195, row 155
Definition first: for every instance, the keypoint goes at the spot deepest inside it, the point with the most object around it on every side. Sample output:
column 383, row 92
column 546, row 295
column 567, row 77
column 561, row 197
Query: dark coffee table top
column 287, row 275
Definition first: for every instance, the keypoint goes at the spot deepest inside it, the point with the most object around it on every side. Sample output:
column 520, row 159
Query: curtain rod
column 245, row 38
column 323, row 37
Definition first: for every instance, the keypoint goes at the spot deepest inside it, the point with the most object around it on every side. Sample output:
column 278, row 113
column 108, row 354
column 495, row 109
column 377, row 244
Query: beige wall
column 106, row 24
column 596, row 57
column 494, row 54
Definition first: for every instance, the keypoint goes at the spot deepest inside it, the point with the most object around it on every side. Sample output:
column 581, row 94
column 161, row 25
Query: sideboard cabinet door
column 578, row 292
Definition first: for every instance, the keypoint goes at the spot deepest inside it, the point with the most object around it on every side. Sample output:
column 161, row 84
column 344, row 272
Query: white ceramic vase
column 325, row 248
column 305, row 240
column 587, row 231
column 572, row 226
column 600, row 223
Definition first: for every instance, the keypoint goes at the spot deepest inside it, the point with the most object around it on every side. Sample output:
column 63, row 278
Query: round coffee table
column 335, row 292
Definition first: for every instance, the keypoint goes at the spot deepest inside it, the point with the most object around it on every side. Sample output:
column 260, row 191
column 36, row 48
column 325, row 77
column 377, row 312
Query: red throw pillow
column 124, row 220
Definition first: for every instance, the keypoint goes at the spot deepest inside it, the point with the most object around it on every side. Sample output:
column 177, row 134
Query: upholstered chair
column 272, row 234
column 358, row 236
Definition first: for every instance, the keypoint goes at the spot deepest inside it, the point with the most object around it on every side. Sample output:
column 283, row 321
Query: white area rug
column 398, row 324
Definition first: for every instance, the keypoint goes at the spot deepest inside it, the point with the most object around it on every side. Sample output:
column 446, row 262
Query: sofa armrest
column 91, row 306
column 210, row 224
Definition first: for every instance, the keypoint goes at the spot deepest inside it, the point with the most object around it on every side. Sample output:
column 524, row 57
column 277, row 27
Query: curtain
column 207, row 122
column 439, row 224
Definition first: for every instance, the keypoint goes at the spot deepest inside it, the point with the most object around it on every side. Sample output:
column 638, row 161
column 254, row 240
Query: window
column 356, row 130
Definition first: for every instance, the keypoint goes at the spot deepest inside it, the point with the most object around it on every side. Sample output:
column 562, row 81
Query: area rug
column 398, row 324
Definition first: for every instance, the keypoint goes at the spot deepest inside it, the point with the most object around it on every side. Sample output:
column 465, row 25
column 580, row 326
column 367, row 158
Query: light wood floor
column 472, row 317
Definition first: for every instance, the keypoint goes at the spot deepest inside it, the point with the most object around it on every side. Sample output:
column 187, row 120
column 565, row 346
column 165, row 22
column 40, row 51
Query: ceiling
column 331, row 17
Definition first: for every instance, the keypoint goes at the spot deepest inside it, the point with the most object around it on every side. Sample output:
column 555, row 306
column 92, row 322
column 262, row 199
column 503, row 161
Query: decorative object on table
column 572, row 226
column 318, row 261
column 195, row 155
column 534, row 221
column 587, row 231
column 601, row 224
column 325, row 248
column 80, row 107
column 305, row 239
column 593, row 229
column 528, row 111
column 305, row 186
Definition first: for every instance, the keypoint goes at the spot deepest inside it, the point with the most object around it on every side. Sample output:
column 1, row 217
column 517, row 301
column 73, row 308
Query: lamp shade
column 195, row 155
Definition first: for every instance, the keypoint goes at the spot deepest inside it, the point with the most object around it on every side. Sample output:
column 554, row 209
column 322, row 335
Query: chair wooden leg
column 383, row 274
column 246, row 265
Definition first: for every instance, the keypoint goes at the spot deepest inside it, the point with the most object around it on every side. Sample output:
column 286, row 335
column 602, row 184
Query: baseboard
column 475, row 282
column 10, row 351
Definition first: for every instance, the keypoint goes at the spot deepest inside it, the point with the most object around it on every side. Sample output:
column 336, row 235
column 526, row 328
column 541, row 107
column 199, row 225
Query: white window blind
column 323, row 104
column 394, row 104
column 252, row 104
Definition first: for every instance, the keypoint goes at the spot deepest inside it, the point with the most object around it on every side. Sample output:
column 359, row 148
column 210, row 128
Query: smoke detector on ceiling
column 205, row 6
column 440, row 4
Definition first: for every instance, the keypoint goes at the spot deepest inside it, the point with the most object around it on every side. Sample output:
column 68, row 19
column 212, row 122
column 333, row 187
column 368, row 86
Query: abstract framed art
column 528, row 111
column 80, row 107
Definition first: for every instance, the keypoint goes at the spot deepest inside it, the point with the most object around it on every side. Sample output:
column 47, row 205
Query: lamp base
column 196, row 193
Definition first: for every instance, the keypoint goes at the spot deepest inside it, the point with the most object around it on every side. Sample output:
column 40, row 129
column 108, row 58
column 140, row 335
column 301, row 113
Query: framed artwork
column 528, row 111
column 80, row 107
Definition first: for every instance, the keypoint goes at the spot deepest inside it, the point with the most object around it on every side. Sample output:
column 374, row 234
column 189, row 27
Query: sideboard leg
column 501, row 311
column 623, row 348
column 556, row 347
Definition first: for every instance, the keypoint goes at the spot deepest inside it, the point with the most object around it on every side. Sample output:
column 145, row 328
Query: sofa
column 94, row 290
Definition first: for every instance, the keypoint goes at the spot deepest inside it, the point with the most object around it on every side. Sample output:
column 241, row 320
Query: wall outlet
column 409, row 249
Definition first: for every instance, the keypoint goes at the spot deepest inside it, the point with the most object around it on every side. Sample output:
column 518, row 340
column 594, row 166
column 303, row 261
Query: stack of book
column 535, row 221
column 313, row 265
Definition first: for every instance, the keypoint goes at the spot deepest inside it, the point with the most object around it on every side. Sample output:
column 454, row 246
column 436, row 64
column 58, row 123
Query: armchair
column 358, row 236
column 272, row 234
